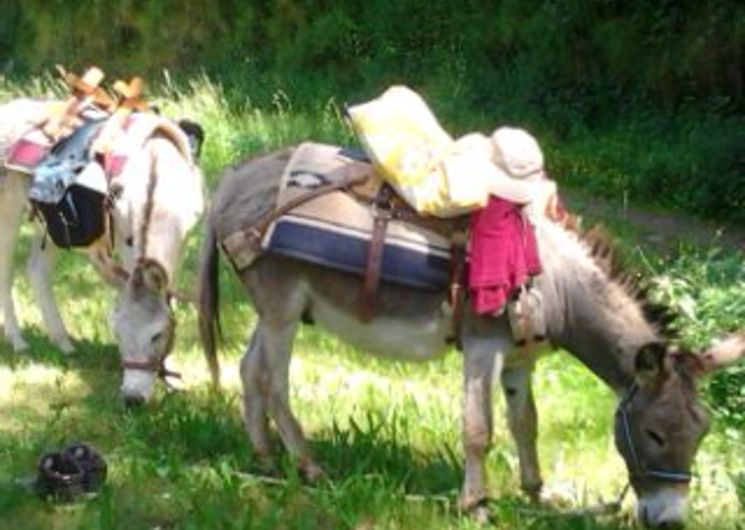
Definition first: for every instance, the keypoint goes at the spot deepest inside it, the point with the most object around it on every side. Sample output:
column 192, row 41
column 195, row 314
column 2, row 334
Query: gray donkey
column 590, row 312
column 159, row 198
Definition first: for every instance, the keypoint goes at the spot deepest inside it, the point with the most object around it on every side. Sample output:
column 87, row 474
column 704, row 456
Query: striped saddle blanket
column 335, row 229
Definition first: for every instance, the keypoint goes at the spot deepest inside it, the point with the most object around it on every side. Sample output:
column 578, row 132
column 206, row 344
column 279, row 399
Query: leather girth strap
column 382, row 213
column 456, row 290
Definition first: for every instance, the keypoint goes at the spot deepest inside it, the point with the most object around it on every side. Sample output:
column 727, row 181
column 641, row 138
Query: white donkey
column 160, row 197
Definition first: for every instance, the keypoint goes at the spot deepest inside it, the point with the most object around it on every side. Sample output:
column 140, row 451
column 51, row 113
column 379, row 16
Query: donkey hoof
column 311, row 471
column 65, row 346
column 265, row 465
column 480, row 513
column 558, row 496
column 19, row 345
column 534, row 492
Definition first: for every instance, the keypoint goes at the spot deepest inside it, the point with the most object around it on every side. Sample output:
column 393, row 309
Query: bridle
column 156, row 365
column 640, row 469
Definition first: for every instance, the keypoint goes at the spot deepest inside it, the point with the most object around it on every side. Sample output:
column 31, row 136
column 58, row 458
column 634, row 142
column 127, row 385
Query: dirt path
column 661, row 229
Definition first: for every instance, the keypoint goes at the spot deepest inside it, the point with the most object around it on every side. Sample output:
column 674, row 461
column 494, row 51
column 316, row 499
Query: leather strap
column 401, row 211
column 456, row 294
column 381, row 215
column 352, row 177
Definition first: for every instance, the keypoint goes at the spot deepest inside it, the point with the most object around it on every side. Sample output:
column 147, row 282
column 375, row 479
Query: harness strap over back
column 244, row 245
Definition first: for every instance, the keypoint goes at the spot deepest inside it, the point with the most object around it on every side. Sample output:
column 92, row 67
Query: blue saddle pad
column 335, row 229
column 411, row 262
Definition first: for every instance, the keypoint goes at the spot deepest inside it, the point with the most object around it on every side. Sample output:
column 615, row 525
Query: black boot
column 59, row 476
column 90, row 462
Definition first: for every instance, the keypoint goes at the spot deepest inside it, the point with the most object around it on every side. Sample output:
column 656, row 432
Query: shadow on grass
column 181, row 459
column 184, row 457
column 88, row 354
column 96, row 364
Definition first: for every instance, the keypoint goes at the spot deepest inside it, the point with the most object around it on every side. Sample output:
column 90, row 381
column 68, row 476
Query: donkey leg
column 255, row 389
column 522, row 419
column 40, row 266
column 477, row 425
column 277, row 347
column 12, row 205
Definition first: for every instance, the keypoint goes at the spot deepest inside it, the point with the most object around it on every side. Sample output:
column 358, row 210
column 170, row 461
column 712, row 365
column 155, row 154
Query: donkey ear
column 154, row 276
column 687, row 362
column 649, row 364
column 195, row 133
column 723, row 352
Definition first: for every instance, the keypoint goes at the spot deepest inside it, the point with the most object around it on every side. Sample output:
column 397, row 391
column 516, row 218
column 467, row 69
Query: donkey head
column 660, row 423
column 144, row 325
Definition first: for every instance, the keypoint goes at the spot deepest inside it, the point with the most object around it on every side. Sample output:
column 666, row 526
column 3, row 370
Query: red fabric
column 503, row 254
column 26, row 154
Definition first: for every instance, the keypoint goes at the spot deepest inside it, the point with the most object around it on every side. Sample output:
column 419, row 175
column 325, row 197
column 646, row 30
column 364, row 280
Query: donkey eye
column 155, row 338
column 659, row 440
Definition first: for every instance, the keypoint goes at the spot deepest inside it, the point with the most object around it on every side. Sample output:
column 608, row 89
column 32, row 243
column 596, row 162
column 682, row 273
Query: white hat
column 517, row 152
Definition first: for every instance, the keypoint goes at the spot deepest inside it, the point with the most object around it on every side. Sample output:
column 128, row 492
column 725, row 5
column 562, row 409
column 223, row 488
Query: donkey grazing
column 589, row 312
column 159, row 196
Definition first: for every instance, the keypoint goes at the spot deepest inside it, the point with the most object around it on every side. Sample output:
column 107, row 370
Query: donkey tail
column 209, row 302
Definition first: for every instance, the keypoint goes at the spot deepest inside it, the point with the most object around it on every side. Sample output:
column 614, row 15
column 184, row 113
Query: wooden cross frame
column 85, row 91
column 129, row 99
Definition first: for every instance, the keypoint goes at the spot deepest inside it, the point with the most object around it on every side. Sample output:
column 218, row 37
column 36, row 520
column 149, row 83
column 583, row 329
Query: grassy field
column 387, row 433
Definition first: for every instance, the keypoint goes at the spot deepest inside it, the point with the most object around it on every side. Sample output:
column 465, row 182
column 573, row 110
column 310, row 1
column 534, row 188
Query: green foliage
column 686, row 161
column 634, row 98
column 671, row 49
column 707, row 290
column 389, row 443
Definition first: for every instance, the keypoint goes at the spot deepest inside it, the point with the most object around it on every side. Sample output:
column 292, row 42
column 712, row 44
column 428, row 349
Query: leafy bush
column 708, row 291
column 630, row 97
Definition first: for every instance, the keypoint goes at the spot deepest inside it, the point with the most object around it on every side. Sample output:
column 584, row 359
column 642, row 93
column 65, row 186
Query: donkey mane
column 603, row 249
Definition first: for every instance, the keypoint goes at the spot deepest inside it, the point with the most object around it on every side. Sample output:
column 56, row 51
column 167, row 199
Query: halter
column 640, row 470
column 157, row 366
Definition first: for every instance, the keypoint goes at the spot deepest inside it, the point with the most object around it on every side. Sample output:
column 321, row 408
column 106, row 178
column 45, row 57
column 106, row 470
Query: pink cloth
column 26, row 153
column 503, row 254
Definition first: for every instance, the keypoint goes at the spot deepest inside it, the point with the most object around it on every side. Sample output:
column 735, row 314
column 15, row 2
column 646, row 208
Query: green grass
column 388, row 433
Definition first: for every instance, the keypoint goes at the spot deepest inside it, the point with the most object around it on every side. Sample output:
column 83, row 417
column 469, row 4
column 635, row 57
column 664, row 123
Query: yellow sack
column 411, row 151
